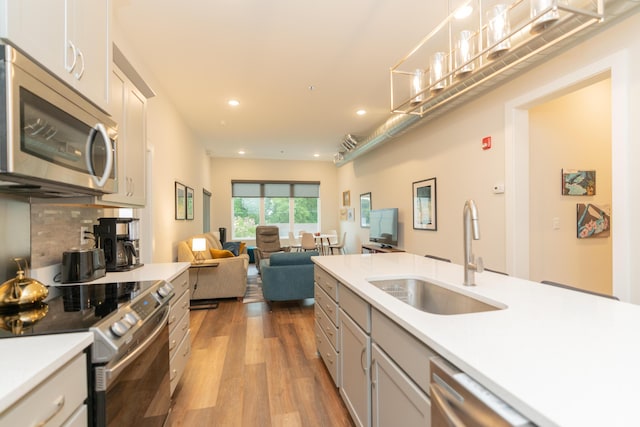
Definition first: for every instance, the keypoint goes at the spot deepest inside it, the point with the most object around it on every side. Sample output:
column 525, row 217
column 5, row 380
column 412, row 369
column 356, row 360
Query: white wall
column 176, row 155
column 224, row 170
column 449, row 149
column 570, row 132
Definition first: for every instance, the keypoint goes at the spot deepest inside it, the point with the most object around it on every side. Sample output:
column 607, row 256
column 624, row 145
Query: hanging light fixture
column 465, row 50
column 417, row 86
column 536, row 8
column 437, row 70
column 498, row 30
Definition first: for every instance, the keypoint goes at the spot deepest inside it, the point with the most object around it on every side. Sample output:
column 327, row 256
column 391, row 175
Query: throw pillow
column 233, row 247
column 221, row 253
column 243, row 246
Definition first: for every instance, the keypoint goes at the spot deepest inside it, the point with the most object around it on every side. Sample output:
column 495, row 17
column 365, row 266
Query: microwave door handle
column 109, row 150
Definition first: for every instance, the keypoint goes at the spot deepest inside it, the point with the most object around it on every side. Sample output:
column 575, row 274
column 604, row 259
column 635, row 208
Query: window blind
column 275, row 189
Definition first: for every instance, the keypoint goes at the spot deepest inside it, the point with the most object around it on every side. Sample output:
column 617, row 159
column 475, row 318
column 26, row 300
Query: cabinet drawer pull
column 58, row 405
column 74, row 55
column 364, row 369
column 172, row 319
column 173, row 345
column 185, row 326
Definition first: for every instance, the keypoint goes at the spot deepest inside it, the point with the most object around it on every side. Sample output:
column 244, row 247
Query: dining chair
column 308, row 242
column 339, row 245
column 333, row 240
column 294, row 243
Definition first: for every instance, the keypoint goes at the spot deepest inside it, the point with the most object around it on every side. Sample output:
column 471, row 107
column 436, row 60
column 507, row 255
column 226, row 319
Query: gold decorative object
column 21, row 290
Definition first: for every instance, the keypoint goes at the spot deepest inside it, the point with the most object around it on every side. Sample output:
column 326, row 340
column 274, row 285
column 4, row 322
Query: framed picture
column 425, row 205
column 189, row 203
column 365, row 207
column 578, row 182
column 351, row 214
column 346, row 198
column 593, row 221
column 181, row 205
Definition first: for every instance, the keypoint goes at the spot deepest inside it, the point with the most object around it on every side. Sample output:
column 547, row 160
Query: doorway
column 570, row 140
column 517, row 165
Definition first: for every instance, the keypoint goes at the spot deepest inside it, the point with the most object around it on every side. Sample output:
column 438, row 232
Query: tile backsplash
column 56, row 228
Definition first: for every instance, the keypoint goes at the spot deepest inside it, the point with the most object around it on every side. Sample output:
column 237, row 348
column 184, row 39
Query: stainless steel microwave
column 53, row 141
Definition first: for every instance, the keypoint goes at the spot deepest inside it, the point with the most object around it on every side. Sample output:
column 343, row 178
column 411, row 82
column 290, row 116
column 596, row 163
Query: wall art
column 593, row 221
column 365, row 208
column 189, row 203
column 425, row 205
column 181, row 212
column 578, row 182
column 346, row 198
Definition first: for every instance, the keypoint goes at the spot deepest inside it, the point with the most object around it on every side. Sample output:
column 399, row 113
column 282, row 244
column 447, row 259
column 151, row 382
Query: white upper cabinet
column 69, row 37
column 128, row 107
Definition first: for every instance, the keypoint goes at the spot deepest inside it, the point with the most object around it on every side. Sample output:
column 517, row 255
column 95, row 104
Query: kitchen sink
column 430, row 297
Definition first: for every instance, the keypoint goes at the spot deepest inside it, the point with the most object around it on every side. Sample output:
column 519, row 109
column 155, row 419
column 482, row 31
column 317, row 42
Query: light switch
column 556, row 223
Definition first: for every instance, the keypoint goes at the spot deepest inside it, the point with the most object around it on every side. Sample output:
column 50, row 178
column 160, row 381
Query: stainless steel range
column 129, row 372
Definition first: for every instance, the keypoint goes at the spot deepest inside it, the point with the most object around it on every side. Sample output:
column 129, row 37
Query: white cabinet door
column 135, row 133
column 394, row 396
column 355, row 358
column 68, row 37
column 87, row 56
column 128, row 110
column 38, row 28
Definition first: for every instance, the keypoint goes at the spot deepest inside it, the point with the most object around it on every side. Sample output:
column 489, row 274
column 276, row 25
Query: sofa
column 287, row 276
column 214, row 278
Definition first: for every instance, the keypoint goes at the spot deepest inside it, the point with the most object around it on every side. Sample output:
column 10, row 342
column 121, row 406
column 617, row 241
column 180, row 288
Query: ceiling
column 299, row 68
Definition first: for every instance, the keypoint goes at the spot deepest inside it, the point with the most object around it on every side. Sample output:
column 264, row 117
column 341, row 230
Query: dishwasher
column 459, row 401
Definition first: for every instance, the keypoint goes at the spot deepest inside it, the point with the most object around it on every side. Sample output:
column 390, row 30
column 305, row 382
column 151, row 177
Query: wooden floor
column 253, row 367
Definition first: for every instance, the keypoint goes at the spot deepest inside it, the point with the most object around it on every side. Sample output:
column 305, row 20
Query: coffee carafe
column 119, row 238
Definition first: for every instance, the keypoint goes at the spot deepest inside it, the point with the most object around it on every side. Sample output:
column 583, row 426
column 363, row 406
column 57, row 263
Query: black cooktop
column 70, row 308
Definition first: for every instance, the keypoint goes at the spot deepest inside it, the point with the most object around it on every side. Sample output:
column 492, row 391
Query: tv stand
column 373, row 248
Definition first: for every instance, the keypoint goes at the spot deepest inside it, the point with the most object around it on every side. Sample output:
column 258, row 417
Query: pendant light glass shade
column 465, row 49
column 417, row 86
column 497, row 29
column 536, row 8
column 437, row 70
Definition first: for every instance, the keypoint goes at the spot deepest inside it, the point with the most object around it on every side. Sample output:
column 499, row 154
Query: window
column 292, row 206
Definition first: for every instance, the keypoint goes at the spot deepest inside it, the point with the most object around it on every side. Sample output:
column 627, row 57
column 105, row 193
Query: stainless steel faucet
column 470, row 224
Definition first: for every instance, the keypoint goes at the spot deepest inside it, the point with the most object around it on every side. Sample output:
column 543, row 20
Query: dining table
column 323, row 240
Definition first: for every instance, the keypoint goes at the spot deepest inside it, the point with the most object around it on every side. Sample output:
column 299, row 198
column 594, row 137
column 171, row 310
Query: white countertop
column 28, row 361
column 560, row 357
column 158, row 271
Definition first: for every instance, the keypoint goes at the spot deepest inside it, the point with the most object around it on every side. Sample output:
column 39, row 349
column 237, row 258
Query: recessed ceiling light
column 234, row 102
column 241, row 152
column 361, row 112
column 316, row 155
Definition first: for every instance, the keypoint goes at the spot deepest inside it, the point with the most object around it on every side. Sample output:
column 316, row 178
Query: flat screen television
column 384, row 226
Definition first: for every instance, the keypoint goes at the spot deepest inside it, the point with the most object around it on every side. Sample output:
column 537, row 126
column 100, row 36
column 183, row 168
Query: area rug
column 254, row 287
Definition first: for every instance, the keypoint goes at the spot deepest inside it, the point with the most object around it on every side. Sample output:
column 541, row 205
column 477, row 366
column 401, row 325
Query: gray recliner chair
column 267, row 243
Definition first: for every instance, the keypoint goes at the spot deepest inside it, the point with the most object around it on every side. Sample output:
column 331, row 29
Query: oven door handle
column 111, row 373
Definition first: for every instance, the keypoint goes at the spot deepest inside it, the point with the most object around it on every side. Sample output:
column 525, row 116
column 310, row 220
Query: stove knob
column 165, row 290
column 131, row 318
column 119, row 328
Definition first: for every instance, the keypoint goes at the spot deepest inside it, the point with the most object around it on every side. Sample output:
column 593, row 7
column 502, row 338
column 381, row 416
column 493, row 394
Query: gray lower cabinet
column 355, row 359
column 395, row 399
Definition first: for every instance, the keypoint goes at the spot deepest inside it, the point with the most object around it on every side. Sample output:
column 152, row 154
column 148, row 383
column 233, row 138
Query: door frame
column 616, row 66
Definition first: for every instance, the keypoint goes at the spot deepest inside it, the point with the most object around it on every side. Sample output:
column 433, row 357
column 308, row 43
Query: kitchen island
column 549, row 352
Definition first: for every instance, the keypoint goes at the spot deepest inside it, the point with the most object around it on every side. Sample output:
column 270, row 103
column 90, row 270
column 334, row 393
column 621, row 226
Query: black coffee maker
column 119, row 239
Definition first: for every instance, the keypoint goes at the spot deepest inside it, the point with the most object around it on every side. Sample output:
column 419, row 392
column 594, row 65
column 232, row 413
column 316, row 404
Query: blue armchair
column 287, row 276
